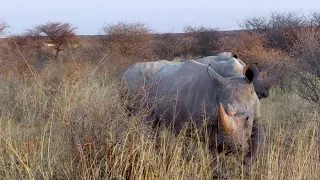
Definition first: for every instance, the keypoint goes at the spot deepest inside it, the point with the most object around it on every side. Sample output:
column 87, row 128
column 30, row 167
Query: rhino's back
column 224, row 56
column 183, row 93
column 138, row 74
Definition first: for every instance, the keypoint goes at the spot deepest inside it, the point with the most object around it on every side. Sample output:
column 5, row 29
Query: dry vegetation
column 63, row 119
column 70, row 125
column 250, row 46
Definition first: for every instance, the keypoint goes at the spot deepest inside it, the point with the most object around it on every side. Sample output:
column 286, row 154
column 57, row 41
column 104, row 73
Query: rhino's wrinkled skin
column 194, row 91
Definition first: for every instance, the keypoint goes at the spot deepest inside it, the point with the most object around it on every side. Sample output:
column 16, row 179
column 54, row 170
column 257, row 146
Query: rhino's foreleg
column 257, row 140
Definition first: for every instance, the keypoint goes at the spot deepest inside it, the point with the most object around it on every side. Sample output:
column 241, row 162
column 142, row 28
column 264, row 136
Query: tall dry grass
column 66, row 122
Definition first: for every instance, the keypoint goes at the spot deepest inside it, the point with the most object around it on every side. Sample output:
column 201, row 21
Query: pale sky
column 161, row 16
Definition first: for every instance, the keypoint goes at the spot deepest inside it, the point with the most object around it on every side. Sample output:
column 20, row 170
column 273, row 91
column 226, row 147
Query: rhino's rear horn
column 215, row 75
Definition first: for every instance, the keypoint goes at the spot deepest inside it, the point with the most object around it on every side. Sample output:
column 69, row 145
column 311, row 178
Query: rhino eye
column 239, row 114
column 247, row 118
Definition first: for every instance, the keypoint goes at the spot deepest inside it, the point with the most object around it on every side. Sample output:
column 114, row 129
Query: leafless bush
column 92, row 49
column 128, row 39
column 203, row 41
column 315, row 19
column 30, row 40
column 278, row 28
column 249, row 46
column 168, row 45
column 257, row 24
column 306, row 69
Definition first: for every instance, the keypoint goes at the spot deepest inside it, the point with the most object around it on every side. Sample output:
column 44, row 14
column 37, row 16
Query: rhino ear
column 251, row 72
column 215, row 75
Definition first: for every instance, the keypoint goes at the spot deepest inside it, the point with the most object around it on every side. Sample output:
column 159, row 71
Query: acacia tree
column 60, row 34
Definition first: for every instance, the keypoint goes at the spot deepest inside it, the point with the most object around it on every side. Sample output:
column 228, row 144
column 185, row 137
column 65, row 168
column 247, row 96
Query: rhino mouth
column 263, row 95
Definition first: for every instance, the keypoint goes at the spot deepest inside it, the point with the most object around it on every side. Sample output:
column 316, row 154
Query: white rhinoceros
column 228, row 105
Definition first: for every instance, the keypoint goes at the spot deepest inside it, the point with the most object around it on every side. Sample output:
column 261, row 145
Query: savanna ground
column 62, row 119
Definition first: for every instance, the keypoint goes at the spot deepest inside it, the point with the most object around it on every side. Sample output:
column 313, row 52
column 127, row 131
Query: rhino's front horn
column 215, row 75
column 226, row 124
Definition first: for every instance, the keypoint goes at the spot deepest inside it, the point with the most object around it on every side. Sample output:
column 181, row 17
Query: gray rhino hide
column 185, row 93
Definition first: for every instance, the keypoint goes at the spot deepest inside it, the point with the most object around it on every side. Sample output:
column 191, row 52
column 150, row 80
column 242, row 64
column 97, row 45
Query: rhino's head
column 238, row 106
column 263, row 84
